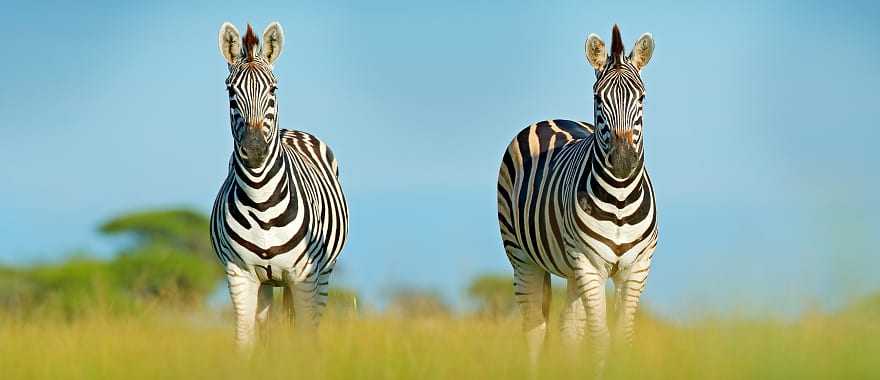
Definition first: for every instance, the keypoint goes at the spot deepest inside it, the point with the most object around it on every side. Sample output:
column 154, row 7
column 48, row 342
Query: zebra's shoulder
column 307, row 143
column 300, row 139
column 291, row 136
column 564, row 130
column 577, row 129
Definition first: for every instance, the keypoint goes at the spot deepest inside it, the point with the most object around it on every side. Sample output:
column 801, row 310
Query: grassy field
column 159, row 345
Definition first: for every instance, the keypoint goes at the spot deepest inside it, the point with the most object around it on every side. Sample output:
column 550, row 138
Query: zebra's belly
column 564, row 260
column 277, row 254
column 280, row 266
column 606, row 246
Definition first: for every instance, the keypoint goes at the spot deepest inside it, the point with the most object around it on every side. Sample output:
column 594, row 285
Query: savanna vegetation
column 143, row 313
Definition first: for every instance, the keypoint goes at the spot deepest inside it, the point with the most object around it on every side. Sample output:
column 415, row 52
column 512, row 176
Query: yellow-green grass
column 171, row 346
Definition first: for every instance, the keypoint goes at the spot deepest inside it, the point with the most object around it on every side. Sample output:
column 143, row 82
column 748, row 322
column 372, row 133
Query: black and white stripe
column 280, row 218
column 576, row 201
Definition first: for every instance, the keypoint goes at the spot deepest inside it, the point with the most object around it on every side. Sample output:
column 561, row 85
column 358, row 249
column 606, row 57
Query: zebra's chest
column 261, row 233
column 263, row 225
column 615, row 223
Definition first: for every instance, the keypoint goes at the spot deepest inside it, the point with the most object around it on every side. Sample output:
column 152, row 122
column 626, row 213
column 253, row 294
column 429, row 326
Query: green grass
column 169, row 346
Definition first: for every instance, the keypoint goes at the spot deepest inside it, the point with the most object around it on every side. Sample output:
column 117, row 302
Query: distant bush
column 866, row 307
column 493, row 295
column 343, row 302
column 415, row 303
column 171, row 262
column 132, row 279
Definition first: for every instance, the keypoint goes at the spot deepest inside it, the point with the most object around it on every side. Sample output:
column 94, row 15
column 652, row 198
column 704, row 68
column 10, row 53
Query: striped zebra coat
column 280, row 218
column 576, row 201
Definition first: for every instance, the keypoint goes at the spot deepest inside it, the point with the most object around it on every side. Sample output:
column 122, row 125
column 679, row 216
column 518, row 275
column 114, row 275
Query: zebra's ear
column 595, row 51
column 273, row 42
column 642, row 51
column 230, row 43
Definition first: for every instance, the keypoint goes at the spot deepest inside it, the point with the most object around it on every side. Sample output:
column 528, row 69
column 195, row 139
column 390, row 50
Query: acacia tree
column 181, row 229
column 171, row 258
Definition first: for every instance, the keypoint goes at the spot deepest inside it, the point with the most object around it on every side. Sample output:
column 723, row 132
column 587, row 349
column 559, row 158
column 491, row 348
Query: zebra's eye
column 272, row 89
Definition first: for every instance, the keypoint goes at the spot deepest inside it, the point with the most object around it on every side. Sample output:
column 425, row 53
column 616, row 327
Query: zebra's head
column 251, row 86
column 618, row 96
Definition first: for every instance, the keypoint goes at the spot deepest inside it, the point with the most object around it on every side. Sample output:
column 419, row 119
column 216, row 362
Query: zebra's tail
column 548, row 295
column 288, row 304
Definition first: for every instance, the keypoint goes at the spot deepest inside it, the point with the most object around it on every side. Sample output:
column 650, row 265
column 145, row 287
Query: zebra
column 280, row 218
column 576, row 201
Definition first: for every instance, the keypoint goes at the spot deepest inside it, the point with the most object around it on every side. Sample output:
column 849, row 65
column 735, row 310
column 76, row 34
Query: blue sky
column 760, row 120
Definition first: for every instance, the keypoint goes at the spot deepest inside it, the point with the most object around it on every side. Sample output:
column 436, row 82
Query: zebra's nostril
column 624, row 135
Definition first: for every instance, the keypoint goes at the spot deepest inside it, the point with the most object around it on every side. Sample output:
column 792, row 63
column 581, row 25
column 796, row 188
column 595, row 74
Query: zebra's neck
column 606, row 188
column 259, row 183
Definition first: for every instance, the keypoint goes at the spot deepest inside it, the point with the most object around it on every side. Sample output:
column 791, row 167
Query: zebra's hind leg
column 629, row 287
column 532, row 292
column 574, row 317
column 308, row 300
column 264, row 306
column 243, row 289
column 323, row 292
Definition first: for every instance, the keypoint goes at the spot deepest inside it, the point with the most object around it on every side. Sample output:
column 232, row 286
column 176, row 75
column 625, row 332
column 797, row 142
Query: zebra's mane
column 616, row 46
column 250, row 43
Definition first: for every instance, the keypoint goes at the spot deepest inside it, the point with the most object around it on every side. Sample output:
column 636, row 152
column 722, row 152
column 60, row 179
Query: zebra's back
column 328, row 202
column 556, row 202
column 539, row 171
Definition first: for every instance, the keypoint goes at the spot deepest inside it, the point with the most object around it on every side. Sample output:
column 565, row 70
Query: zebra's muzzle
column 623, row 158
column 254, row 146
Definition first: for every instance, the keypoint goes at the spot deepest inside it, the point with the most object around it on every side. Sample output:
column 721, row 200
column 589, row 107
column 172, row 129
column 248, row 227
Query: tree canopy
column 181, row 229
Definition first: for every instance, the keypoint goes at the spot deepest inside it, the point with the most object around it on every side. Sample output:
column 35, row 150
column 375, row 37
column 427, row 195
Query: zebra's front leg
column 574, row 317
column 629, row 287
column 590, row 288
column 243, row 289
column 532, row 291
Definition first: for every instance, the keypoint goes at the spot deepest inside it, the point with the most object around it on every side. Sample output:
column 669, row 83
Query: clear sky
column 760, row 122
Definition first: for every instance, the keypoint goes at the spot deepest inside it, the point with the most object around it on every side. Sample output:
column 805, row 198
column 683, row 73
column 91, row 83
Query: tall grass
column 166, row 345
